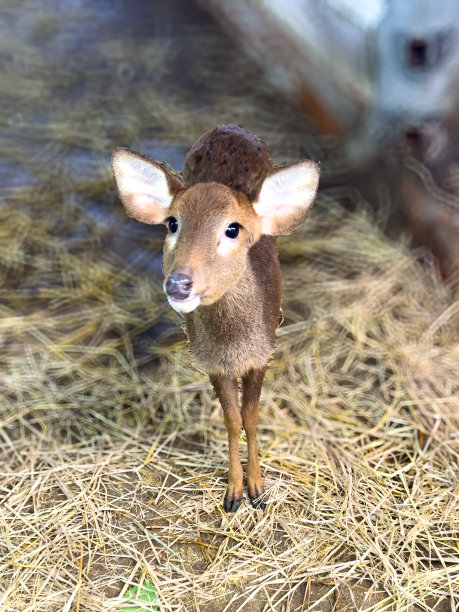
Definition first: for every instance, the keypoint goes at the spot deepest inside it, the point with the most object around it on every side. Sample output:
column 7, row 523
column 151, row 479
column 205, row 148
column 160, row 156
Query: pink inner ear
column 268, row 226
column 285, row 223
column 147, row 201
column 286, row 197
column 145, row 207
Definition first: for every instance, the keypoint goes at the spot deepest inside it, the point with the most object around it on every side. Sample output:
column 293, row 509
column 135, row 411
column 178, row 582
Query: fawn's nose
column 178, row 286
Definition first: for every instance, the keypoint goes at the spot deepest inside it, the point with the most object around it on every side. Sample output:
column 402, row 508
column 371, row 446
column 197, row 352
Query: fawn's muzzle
column 179, row 286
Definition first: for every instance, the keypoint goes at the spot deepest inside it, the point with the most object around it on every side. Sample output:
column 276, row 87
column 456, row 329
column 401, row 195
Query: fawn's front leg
column 227, row 393
column 251, row 390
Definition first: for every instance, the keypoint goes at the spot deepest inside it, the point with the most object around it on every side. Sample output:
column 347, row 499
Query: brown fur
column 230, row 155
column 236, row 333
column 232, row 330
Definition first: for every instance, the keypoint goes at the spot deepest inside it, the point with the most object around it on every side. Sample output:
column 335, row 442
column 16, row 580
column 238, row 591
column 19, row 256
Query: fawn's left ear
column 286, row 196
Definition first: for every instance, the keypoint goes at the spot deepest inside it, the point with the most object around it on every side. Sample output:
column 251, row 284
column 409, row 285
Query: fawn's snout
column 180, row 292
column 178, row 286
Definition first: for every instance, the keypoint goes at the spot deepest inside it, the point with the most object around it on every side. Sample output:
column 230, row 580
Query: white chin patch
column 184, row 306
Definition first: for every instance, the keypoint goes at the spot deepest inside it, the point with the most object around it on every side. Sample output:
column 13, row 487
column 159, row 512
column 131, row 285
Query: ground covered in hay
column 113, row 453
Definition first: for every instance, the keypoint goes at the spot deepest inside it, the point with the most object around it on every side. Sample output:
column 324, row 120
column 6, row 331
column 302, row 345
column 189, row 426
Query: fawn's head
column 210, row 226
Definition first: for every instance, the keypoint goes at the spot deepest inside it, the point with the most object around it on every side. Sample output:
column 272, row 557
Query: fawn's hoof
column 255, row 492
column 232, row 501
column 258, row 504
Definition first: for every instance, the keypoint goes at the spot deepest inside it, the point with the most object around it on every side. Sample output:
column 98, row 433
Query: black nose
column 178, row 286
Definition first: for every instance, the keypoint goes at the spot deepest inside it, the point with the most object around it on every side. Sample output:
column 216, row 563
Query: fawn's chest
column 222, row 343
column 237, row 333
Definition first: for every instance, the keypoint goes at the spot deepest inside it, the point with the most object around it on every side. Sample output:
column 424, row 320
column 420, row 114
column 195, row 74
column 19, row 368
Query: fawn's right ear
column 146, row 189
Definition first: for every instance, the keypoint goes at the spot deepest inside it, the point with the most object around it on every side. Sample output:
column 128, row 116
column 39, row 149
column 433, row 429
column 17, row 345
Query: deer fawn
column 220, row 264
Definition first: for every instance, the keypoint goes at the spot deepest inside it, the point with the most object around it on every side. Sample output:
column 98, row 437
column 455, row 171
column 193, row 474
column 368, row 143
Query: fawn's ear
column 286, row 196
column 145, row 187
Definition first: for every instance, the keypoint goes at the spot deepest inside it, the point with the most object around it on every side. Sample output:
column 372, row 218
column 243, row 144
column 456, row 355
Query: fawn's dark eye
column 232, row 231
column 173, row 225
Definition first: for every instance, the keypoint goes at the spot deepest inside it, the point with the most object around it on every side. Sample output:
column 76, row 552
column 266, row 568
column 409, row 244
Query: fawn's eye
column 173, row 225
column 232, row 231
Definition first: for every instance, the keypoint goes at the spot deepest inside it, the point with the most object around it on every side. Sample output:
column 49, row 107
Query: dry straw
column 114, row 453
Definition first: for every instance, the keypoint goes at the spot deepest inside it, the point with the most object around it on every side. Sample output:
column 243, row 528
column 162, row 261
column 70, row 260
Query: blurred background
column 370, row 92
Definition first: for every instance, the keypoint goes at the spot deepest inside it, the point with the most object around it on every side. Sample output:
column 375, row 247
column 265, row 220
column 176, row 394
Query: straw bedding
column 114, row 453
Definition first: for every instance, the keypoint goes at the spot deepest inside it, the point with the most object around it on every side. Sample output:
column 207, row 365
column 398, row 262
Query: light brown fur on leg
column 227, row 393
column 251, row 389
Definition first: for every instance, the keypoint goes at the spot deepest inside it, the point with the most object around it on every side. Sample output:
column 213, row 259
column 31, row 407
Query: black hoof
column 257, row 503
column 231, row 503
column 256, row 497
